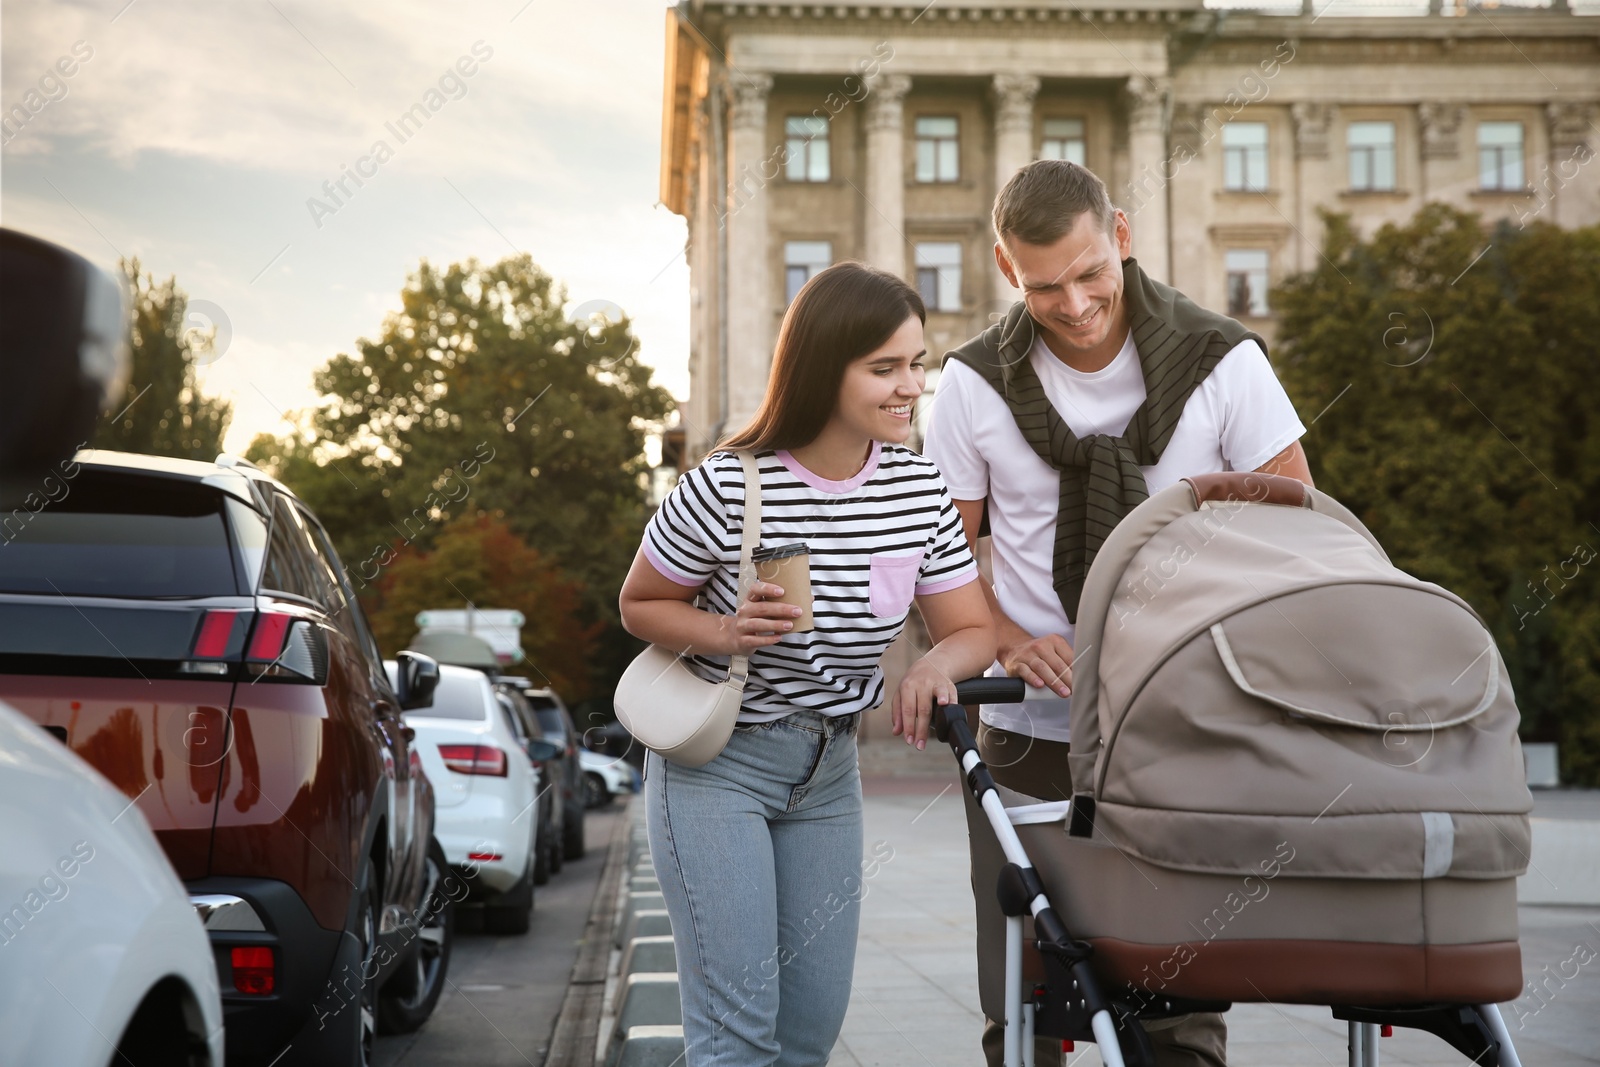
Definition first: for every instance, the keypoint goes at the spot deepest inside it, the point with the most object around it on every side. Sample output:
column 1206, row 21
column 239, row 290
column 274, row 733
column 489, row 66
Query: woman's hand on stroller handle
column 923, row 688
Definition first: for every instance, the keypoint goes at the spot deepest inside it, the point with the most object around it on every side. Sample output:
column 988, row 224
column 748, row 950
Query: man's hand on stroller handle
column 1042, row 662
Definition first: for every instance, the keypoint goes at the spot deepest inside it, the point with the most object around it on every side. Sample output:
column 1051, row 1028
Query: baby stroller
column 1312, row 756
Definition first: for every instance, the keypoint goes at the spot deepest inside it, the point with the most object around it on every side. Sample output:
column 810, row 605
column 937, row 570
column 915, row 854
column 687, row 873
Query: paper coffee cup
column 788, row 567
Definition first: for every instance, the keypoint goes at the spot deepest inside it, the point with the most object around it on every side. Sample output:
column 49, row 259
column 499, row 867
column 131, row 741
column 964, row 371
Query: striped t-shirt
column 877, row 540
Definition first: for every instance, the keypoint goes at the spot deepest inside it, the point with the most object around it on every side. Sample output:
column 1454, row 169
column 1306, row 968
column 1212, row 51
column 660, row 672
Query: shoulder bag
column 670, row 709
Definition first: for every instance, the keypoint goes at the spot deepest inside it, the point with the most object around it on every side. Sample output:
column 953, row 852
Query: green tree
column 1452, row 367
column 481, row 383
column 478, row 560
column 166, row 415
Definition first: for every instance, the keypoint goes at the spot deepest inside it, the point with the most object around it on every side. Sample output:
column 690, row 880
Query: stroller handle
column 999, row 691
column 981, row 691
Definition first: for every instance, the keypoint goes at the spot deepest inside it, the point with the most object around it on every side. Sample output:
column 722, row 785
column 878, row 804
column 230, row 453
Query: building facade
column 797, row 135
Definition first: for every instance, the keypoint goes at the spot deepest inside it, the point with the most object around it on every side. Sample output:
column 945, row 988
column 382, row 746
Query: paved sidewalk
column 915, row 990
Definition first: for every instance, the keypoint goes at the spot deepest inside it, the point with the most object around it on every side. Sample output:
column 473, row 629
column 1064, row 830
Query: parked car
column 187, row 629
column 605, row 778
column 558, row 726
column 547, row 755
column 102, row 958
column 485, row 794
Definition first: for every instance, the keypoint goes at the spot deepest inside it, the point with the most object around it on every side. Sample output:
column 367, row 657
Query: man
column 1101, row 387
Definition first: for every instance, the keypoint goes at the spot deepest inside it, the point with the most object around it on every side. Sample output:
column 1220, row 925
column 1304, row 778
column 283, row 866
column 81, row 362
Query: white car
column 605, row 777
column 102, row 958
column 485, row 794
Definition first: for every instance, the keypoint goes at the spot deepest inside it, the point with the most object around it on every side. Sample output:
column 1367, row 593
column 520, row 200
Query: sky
column 196, row 136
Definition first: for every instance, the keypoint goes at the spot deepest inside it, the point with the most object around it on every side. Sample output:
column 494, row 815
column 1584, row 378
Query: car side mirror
column 63, row 357
column 542, row 751
column 418, row 677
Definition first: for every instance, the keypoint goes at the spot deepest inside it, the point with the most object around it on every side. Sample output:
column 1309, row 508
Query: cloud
column 298, row 86
column 196, row 133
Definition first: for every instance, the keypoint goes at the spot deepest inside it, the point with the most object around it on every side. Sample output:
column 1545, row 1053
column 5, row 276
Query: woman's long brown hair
column 843, row 313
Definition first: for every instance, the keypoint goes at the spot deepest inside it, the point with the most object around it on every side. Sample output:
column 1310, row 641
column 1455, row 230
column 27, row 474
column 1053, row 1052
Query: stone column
column 1013, row 124
column 1567, row 188
column 1313, row 184
column 749, row 310
column 1191, row 192
column 1440, row 124
column 1013, row 148
column 1147, row 164
column 885, row 209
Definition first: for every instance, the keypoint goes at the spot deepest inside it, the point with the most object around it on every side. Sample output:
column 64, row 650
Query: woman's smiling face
column 877, row 397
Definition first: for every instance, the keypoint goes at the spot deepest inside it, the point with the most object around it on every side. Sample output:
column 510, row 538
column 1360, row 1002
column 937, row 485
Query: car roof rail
column 228, row 459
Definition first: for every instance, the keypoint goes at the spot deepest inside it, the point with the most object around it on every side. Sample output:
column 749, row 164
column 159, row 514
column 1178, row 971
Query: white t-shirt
column 1237, row 419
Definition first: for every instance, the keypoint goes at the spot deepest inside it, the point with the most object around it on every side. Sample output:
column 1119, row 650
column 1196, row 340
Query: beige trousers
column 1039, row 768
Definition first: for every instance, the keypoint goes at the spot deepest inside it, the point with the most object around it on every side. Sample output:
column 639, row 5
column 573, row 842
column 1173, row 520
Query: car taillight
column 485, row 857
column 267, row 642
column 212, row 643
column 215, row 629
column 288, row 648
column 474, row 759
column 253, row 970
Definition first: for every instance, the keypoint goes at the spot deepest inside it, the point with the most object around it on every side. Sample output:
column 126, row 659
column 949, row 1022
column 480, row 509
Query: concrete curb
column 640, row 1020
column 577, row 1030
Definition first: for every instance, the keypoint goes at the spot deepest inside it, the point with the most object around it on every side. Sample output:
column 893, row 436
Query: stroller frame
column 1072, row 1004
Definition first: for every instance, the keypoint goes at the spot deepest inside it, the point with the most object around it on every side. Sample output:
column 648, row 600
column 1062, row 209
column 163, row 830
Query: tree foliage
column 1452, row 368
column 480, row 396
column 166, row 414
column 479, row 560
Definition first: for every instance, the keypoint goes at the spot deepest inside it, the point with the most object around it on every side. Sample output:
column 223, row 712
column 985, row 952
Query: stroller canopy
column 1252, row 670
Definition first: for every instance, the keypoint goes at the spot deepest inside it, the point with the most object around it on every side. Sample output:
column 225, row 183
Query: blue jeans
column 759, row 856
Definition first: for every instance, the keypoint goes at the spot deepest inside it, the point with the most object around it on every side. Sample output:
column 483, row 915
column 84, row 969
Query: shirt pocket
column 893, row 583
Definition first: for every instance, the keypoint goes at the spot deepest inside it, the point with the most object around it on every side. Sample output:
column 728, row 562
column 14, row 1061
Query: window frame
column 811, row 267
column 1082, row 139
column 937, row 158
column 1246, row 154
column 1521, row 147
column 361, row 632
column 1230, row 273
column 947, row 277
column 806, row 150
column 1370, row 153
column 276, row 520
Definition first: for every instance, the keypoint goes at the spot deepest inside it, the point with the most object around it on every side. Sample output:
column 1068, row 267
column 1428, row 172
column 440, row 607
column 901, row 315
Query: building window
column 801, row 261
column 1244, row 156
column 807, row 143
column 1371, row 146
column 1063, row 139
column 939, row 275
column 1500, row 156
column 937, row 156
column 1247, row 282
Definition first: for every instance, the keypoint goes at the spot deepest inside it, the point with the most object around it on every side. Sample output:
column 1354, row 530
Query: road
column 503, row 993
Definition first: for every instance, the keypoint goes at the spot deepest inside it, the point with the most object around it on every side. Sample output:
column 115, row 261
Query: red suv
column 187, row 628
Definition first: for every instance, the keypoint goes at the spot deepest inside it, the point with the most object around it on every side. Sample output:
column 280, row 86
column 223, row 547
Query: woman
column 759, row 852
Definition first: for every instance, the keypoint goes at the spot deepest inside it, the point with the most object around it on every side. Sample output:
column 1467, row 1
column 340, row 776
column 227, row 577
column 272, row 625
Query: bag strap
column 739, row 666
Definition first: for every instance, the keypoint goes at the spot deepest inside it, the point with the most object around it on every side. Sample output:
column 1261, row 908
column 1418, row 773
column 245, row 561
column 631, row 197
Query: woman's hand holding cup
column 762, row 619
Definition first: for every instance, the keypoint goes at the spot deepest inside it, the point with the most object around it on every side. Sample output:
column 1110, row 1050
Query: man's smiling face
column 1073, row 286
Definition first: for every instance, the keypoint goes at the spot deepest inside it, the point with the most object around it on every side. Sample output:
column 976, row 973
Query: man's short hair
column 1043, row 200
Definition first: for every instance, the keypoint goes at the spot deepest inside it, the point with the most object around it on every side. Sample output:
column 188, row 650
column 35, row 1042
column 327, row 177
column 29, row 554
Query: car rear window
column 458, row 696
column 115, row 535
column 550, row 717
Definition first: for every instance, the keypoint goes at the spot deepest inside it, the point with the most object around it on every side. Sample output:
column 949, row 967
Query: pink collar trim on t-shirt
column 816, row 481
